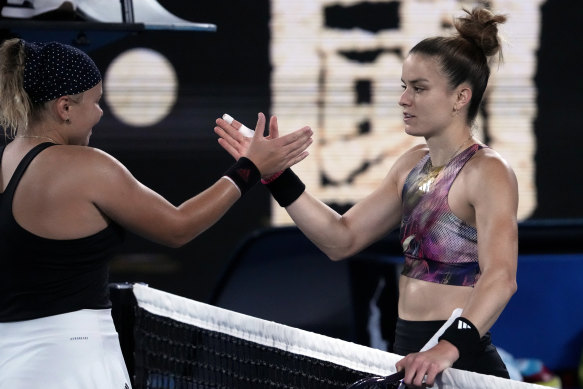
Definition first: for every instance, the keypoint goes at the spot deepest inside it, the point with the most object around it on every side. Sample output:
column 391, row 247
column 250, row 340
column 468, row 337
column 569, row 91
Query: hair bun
column 480, row 26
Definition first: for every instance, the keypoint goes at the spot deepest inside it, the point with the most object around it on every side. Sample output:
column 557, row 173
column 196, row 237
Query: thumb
column 273, row 128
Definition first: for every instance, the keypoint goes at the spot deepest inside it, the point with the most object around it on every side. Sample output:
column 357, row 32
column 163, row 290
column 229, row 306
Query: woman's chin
column 411, row 131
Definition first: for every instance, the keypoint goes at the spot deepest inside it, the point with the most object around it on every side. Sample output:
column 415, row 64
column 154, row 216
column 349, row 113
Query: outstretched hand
column 271, row 154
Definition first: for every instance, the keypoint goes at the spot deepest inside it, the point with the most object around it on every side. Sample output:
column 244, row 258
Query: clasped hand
column 271, row 154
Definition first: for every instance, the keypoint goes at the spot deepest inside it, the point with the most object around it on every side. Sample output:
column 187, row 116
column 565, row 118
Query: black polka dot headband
column 54, row 69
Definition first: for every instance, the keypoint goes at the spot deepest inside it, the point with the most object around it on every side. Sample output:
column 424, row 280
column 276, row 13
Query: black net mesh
column 172, row 354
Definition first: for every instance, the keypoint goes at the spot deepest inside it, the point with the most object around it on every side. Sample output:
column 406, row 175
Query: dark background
column 229, row 71
column 224, row 71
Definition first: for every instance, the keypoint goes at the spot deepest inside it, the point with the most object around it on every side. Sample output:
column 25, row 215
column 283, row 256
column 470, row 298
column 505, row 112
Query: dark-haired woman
column 454, row 198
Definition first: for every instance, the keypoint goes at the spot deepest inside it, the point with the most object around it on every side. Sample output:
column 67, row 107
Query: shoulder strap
column 23, row 165
column 412, row 175
column 454, row 167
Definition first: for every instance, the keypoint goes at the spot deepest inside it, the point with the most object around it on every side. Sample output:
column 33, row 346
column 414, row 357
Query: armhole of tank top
column 1, row 156
column 419, row 165
column 451, row 213
column 24, row 162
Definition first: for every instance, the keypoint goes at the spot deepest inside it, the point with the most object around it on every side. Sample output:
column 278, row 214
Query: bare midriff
column 422, row 300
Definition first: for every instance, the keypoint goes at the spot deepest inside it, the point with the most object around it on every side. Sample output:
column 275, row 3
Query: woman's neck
column 41, row 133
column 443, row 151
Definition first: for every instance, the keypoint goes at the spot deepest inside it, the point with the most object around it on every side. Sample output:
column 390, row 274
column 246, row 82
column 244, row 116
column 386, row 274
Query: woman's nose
column 404, row 99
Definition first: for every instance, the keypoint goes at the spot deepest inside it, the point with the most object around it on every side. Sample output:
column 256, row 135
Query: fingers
column 431, row 375
column 298, row 158
column 296, row 151
column 400, row 365
column 268, row 153
column 234, row 145
column 273, row 128
column 229, row 119
column 419, row 371
column 419, row 375
column 412, row 375
column 297, row 141
column 229, row 129
column 230, row 149
column 227, row 136
column 295, row 136
column 260, row 125
column 294, row 144
column 246, row 131
column 233, row 128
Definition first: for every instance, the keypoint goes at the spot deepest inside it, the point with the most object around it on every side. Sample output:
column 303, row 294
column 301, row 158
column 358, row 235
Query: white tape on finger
column 228, row 118
column 246, row 131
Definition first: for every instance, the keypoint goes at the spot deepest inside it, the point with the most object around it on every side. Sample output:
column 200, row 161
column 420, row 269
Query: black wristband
column 244, row 174
column 463, row 335
column 286, row 188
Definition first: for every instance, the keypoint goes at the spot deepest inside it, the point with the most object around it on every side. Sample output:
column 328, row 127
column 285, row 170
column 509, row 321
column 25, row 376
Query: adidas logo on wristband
column 464, row 336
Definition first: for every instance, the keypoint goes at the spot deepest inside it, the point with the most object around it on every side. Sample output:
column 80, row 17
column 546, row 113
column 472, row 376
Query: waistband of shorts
column 86, row 320
column 417, row 332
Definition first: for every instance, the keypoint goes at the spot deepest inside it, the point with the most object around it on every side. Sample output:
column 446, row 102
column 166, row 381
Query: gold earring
column 67, row 121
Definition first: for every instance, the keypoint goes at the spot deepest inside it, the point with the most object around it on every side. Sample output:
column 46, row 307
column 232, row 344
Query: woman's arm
column 118, row 195
column 493, row 192
column 338, row 236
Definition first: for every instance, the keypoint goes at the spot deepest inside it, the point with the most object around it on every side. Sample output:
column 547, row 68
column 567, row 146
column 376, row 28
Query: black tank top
column 42, row 277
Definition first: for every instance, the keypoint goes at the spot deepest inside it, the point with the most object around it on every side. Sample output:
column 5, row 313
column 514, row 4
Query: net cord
column 298, row 341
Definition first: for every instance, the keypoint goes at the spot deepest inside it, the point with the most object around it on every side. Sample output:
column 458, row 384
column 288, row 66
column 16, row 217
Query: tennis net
column 178, row 343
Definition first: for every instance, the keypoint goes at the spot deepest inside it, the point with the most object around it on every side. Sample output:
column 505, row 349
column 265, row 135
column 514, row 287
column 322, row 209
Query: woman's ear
column 62, row 106
column 464, row 96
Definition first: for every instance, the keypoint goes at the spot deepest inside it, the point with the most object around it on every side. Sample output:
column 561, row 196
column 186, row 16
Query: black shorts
column 411, row 336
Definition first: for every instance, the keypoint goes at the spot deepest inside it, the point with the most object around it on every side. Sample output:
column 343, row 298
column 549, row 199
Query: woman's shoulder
column 488, row 165
column 487, row 159
column 406, row 162
column 414, row 154
column 83, row 159
column 411, row 157
column 84, row 155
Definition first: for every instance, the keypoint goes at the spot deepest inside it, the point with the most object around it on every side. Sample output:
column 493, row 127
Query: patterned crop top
column 438, row 246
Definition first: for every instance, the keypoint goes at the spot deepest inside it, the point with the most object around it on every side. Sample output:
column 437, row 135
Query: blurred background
column 335, row 66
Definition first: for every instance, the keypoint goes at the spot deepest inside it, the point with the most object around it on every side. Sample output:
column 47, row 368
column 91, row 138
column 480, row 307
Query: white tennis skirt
column 77, row 350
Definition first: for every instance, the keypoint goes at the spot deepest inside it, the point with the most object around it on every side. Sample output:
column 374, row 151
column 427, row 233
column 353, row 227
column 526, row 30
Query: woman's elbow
column 176, row 244
column 509, row 285
column 336, row 256
column 176, row 237
column 502, row 284
column 513, row 287
column 339, row 253
column 173, row 242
